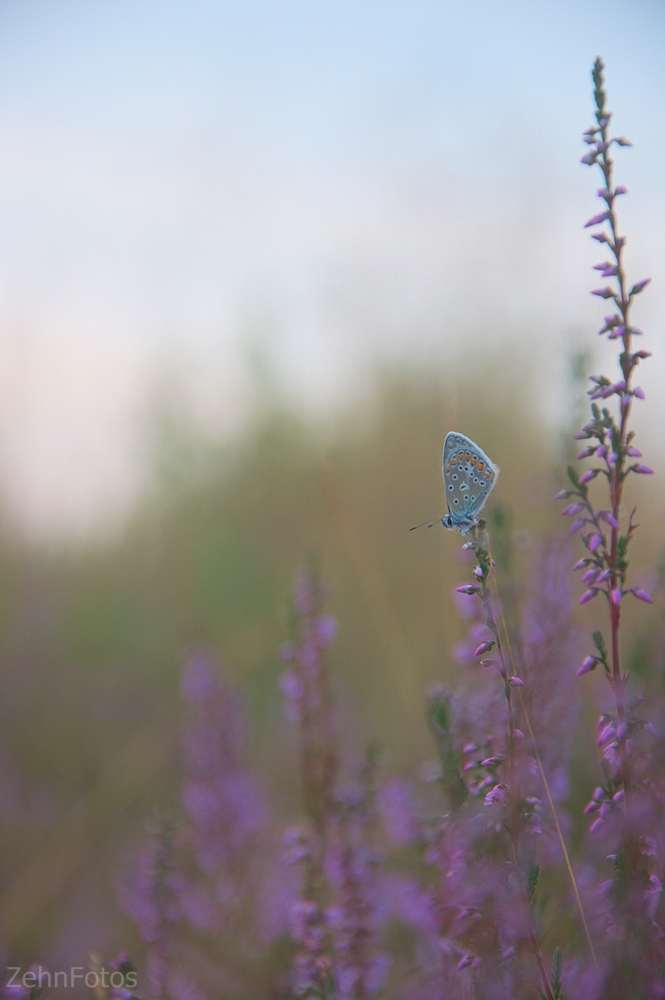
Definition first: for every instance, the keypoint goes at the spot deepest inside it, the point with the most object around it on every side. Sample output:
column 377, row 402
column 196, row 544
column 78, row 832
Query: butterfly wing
column 468, row 475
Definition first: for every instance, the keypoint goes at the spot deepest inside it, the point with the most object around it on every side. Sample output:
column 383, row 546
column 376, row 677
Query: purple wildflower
column 226, row 809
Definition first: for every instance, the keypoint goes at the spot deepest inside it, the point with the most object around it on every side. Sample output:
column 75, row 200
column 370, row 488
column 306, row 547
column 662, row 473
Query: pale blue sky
column 338, row 180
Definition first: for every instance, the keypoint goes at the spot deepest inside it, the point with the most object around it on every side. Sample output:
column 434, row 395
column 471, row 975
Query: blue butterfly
column 469, row 477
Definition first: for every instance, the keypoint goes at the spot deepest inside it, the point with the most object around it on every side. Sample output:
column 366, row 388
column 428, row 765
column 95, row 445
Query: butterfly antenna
column 541, row 768
column 428, row 523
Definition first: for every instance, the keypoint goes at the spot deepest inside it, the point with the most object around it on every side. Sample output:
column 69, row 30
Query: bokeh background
column 255, row 260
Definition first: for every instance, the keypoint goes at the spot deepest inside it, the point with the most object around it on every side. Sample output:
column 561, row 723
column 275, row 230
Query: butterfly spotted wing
column 469, row 477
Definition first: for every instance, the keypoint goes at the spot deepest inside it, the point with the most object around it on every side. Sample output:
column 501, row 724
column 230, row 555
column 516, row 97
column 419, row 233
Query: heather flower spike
column 502, row 783
column 626, row 793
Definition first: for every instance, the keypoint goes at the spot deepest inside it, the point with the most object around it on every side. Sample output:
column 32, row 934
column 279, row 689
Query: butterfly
column 469, row 477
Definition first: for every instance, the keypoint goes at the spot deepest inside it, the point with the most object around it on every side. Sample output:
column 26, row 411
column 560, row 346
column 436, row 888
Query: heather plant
column 484, row 845
column 626, row 806
column 336, row 922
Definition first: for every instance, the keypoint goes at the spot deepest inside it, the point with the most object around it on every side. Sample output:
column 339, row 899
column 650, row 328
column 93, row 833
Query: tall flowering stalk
column 152, row 899
column 519, row 812
column 336, row 922
column 628, row 798
column 308, row 704
column 611, row 440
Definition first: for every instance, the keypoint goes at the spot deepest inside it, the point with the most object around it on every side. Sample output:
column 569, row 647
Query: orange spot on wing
column 447, row 468
column 481, row 465
column 453, row 461
column 473, row 461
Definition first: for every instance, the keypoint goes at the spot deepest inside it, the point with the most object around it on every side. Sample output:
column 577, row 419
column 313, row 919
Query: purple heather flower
column 595, row 542
column 562, row 494
column 607, row 733
column 587, row 596
column 642, row 469
column 576, row 525
column 589, row 663
column 467, row 604
column 466, row 589
column 586, row 453
column 581, row 563
column 224, row 805
column 588, row 476
column 634, row 452
column 496, row 797
column 640, row 286
column 601, row 237
column 484, row 648
column 572, row 509
column 609, row 517
column 639, row 392
column 516, row 681
column 604, row 293
column 642, row 595
column 597, row 219
column 616, row 595
column 590, row 575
